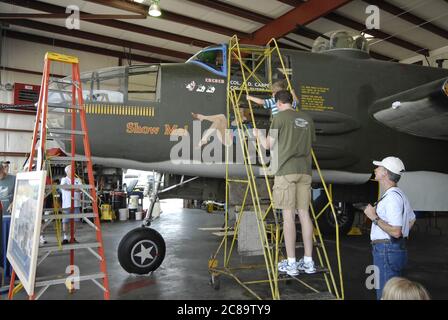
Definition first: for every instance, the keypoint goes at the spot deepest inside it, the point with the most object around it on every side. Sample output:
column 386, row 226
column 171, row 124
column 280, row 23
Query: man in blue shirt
column 271, row 104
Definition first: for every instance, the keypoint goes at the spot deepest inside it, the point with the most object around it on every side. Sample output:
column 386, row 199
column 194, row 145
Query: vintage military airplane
column 364, row 109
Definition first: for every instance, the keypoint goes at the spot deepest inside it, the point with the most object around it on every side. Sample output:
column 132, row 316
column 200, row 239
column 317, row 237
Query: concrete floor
column 184, row 273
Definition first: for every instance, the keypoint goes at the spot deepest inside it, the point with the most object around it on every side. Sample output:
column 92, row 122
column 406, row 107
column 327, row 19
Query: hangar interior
column 139, row 75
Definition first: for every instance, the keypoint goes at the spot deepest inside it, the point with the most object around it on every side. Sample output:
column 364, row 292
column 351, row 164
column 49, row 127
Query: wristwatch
column 375, row 221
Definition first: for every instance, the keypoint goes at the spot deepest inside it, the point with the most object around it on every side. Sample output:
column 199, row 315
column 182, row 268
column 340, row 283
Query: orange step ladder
column 37, row 161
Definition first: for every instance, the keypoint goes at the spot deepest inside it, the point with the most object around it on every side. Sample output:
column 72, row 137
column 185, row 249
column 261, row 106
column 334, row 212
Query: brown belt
column 388, row 240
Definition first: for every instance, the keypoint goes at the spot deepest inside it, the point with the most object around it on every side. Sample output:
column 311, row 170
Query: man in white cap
column 392, row 218
column 67, row 200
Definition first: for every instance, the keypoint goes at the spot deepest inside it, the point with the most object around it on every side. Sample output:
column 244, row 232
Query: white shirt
column 395, row 209
column 66, row 194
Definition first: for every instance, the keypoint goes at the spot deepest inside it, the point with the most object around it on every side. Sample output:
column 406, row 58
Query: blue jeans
column 67, row 211
column 390, row 258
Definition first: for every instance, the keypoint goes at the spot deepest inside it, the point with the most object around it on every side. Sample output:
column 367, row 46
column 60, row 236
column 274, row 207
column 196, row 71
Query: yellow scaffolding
column 269, row 229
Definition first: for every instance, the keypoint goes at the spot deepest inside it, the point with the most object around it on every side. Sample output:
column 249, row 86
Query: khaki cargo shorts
column 292, row 191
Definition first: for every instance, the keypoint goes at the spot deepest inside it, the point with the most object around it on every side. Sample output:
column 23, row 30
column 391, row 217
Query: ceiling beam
column 3, row 68
column 129, row 6
column 293, row 3
column 66, row 15
column 233, row 10
column 175, row 17
column 121, row 25
column 338, row 18
column 98, row 38
column 77, row 46
column 302, row 14
column 409, row 17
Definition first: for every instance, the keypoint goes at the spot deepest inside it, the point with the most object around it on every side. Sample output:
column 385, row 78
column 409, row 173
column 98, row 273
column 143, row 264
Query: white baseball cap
column 393, row 164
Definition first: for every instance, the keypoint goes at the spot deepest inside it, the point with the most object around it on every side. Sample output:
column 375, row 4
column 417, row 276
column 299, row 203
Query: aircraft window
column 212, row 58
column 278, row 73
column 143, row 83
column 108, row 85
column 252, row 61
column 341, row 39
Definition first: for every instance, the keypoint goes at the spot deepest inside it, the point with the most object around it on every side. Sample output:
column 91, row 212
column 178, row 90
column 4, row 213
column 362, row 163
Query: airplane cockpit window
column 341, row 40
column 280, row 71
column 106, row 85
column 144, row 83
column 212, row 58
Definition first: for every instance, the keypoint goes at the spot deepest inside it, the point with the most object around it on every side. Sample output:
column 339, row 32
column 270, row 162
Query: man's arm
column 411, row 224
column 294, row 96
column 393, row 231
column 390, row 230
column 255, row 99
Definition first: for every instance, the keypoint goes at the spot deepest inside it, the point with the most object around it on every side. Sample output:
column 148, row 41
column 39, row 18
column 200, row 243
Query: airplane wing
column 421, row 111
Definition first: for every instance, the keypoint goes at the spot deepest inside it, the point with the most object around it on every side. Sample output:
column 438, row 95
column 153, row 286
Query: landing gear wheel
column 345, row 215
column 141, row 251
column 215, row 281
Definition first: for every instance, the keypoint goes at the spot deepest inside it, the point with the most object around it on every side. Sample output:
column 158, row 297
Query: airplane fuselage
column 336, row 88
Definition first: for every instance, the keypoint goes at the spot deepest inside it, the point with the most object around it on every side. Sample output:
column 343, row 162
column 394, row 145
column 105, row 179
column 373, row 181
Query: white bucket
column 123, row 214
column 156, row 211
column 139, row 215
column 133, row 202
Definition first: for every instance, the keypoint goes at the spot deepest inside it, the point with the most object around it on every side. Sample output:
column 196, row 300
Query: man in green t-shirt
column 292, row 184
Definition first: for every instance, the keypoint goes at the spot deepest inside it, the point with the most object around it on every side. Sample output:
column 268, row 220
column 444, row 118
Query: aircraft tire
column 345, row 213
column 141, row 250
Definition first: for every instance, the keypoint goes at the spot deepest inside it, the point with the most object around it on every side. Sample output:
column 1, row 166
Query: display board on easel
column 26, row 219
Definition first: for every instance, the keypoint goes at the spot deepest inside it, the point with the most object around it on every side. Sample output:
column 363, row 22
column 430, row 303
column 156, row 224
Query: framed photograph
column 26, row 219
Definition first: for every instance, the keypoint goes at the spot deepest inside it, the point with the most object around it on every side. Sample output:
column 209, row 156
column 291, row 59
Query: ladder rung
column 319, row 270
column 59, row 138
column 67, row 159
column 70, row 246
column 68, row 216
column 60, row 113
column 63, row 131
column 48, row 281
column 70, row 187
column 70, row 82
column 60, row 91
column 64, row 106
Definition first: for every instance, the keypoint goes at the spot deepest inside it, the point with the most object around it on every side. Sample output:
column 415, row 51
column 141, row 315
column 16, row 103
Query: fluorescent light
column 154, row 9
column 139, row 1
column 367, row 36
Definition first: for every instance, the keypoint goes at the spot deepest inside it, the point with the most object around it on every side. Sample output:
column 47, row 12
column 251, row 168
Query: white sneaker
column 282, row 265
column 42, row 239
column 292, row 269
column 306, row 267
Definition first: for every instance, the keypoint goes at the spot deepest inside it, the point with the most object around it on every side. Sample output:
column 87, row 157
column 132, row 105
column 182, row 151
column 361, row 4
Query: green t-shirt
column 295, row 136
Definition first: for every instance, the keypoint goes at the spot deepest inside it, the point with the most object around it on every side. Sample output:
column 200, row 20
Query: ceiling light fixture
column 154, row 9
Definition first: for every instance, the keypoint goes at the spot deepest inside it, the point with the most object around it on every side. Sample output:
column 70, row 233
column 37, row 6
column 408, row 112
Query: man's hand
column 370, row 212
column 9, row 208
column 256, row 133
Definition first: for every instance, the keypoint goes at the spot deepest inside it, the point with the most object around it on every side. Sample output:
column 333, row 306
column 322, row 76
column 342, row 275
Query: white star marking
column 144, row 253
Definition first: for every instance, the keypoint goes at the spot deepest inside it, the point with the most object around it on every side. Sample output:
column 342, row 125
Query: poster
column 26, row 218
